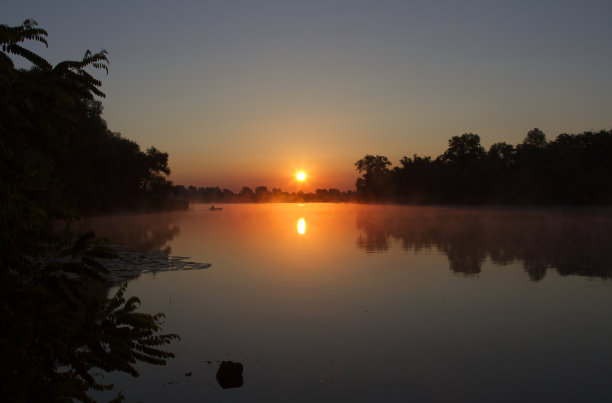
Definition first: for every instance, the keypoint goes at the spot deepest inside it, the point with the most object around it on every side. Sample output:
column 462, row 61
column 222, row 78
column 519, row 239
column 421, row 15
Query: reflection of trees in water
column 146, row 233
column 375, row 237
column 572, row 242
column 139, row 232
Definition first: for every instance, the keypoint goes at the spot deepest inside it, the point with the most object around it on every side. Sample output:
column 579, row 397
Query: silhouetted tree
column 535, row 138
column 532, row 178
column 415, row 180
column 262, row 194
column 375, row 183
column 501, row 158
column 463, row 150
column 464, row 171
column 246, row 195
column 580, row 166
column 501, row 154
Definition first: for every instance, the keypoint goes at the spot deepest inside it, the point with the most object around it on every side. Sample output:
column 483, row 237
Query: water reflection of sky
column 570, row 241
column 315, row 318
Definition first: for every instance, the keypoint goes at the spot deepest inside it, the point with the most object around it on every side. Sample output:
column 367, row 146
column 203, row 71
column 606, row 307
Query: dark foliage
column 56, row 154
column 571, row 170
column 375, row 184
column 52, row 124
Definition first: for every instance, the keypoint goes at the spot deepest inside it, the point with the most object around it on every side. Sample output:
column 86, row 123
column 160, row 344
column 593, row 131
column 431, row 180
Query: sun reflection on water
column 301, row 226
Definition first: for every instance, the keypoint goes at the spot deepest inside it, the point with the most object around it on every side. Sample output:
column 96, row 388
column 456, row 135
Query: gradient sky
column 248, row 92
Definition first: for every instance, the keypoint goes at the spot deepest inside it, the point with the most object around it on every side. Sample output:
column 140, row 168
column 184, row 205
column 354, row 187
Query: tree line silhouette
column 57, row 158
column 571, row 170
column 261, row 195
column 574, row 169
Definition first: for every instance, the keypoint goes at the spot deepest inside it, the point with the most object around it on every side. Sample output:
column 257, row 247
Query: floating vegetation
column 130, row 264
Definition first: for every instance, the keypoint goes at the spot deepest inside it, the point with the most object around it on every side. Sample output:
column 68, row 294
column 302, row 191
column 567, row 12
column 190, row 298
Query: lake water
column 342, row 302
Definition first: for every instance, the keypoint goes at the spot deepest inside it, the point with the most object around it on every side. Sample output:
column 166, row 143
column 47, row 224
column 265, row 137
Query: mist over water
column 369, row 303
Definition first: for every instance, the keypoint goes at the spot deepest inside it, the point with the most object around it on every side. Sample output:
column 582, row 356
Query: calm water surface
column 334, row 302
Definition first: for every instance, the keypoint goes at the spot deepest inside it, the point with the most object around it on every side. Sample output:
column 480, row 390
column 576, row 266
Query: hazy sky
column 248, row 92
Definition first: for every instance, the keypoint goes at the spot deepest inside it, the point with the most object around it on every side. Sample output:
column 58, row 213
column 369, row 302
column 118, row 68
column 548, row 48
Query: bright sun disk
column 300, row 176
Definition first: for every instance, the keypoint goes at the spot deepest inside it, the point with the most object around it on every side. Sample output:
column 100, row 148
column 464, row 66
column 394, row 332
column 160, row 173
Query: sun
column 301, row 176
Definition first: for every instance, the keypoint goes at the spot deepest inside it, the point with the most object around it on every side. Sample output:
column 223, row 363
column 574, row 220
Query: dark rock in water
column 229, row 374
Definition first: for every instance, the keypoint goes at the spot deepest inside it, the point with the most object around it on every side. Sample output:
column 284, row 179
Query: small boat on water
column 213, row 208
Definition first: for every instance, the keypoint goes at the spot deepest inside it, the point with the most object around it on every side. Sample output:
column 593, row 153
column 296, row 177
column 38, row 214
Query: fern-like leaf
column 30, row 56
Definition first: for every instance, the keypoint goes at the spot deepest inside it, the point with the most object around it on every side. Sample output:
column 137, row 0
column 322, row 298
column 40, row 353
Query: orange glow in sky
column 250, row 107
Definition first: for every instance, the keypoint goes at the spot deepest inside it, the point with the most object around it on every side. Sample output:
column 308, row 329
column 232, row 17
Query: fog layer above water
column 570, row 241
